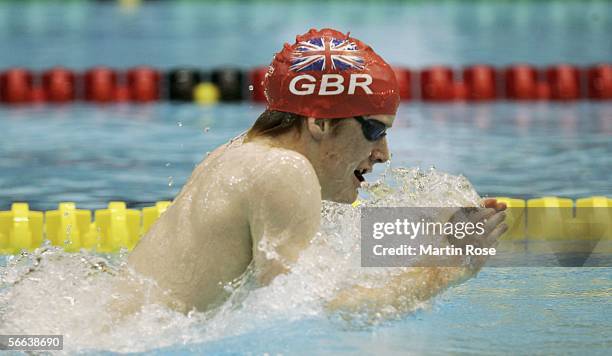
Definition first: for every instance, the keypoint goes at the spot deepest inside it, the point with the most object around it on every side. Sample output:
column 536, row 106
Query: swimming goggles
column 373, row 130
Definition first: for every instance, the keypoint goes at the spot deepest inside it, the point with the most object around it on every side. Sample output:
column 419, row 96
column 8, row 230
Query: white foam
column 53, row 292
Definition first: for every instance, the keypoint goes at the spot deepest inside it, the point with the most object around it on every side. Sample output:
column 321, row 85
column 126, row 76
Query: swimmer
column 255, row 202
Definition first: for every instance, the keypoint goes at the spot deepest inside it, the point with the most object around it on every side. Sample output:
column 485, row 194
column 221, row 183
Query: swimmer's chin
column 347, row 198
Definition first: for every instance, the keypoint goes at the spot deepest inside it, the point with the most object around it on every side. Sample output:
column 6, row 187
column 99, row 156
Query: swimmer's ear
column 317, row 128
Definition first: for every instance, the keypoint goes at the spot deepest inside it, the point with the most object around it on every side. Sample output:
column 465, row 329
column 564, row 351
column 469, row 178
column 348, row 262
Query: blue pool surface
column 93, row 154
column 79, row 34
column 518, row 311
column 142, row 154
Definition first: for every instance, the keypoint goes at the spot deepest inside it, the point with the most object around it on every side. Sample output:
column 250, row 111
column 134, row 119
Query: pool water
column 534, row 311
column 80, row 34
column 140, row 154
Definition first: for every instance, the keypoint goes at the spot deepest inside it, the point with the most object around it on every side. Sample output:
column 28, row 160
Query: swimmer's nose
column 380, row 153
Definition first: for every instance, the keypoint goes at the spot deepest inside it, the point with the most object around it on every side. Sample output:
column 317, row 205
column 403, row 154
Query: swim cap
column 326, row 74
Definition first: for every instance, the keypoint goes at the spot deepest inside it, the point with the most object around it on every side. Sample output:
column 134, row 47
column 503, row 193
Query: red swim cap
column 327, row 74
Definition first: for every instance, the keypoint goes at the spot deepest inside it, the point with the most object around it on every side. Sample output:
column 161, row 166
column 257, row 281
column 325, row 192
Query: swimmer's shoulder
column 285, row 194
column 274, row 165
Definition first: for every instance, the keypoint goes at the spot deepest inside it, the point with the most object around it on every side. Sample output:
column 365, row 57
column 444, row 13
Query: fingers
column 492, row 238
column 494, row 228
column 482, row 214
column 474, row 215
column 494, row 204
column 489, row 203
column 496, row 219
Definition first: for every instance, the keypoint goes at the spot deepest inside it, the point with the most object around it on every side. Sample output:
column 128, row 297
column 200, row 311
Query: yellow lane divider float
column 114, row 228
column 559, row 225
column 553, row 218
column 20, row 229
column 70, row 227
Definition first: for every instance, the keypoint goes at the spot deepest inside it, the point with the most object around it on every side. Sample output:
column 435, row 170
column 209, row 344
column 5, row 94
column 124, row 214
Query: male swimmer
column 257, row 200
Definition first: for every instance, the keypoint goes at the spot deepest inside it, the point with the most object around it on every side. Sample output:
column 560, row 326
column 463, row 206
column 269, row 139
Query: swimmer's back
column 203, row 241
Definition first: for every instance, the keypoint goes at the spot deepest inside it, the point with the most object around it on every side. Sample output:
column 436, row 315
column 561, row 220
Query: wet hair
column 273, row 123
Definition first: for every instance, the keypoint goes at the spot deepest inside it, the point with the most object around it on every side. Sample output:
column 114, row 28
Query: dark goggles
column 373, row 130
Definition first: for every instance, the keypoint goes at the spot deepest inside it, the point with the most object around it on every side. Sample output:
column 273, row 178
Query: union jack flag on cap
column 326, row 74
column 317, row 53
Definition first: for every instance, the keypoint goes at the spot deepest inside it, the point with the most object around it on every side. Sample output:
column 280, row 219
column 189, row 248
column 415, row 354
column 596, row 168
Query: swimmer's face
column 346, row 155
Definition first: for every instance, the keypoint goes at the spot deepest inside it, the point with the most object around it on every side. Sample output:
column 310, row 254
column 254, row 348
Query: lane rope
column 117, row 227
column 144, row 84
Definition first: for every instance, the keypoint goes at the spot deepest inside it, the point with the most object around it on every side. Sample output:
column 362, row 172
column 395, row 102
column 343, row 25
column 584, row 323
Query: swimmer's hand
column 492, row 216
column 403, row 292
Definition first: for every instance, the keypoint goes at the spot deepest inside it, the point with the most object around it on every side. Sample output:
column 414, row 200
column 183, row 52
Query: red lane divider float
column 599, row 82
column 564, row 82
column 404, row 80
column 477, row 83
column 437, row 84
column 521, row 82
column 100, row 85
column 143, row 84
column 59, row 85
column 480, row 82
column 16, row 86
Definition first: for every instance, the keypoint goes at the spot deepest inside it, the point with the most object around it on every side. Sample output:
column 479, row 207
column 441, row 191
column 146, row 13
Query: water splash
column 53, row 292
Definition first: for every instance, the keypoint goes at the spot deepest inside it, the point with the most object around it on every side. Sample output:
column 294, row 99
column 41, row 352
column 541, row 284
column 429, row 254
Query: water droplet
column 170, row 181
column 167, row 164
column 206, row 129
column 179, row 123
column 251, row 87
column 70, row 299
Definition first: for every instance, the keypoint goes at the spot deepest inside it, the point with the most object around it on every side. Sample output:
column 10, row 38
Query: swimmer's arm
column 285, row 214
column 402, row 292
column 417, row 284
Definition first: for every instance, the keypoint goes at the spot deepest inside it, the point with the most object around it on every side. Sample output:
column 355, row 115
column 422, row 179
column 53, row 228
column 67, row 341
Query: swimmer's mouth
column 359, row 174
